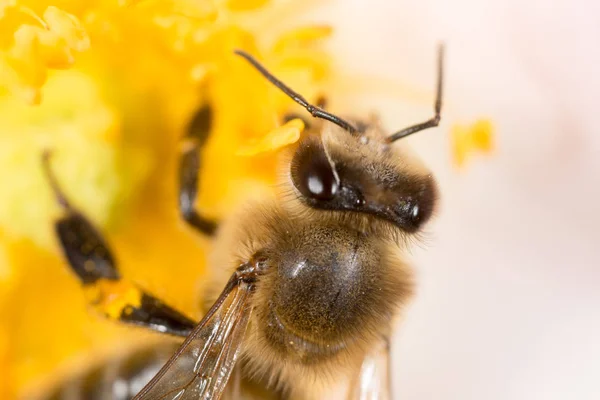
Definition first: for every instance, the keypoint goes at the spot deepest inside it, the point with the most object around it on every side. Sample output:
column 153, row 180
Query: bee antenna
column 58, row 193
column 315, row 111
column 433, row 122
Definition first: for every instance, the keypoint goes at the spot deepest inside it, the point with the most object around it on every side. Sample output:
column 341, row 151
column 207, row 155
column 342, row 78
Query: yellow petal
column 245, row 5
column 314, row 62
column 67, row 27
column 35, row 48
column 275, row 140
column 5, row 4
column 27, row 61
column 194, row 9
column 63, row 34
column 301, row 37
column 10, row 79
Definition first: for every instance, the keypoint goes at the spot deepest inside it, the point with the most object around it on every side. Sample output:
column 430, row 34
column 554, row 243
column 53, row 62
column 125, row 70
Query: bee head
column 363, row 174
column 355, row 168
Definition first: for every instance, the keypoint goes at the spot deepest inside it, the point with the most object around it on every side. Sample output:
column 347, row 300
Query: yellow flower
column 110, row 87
column 36, row 48
column 276, row 139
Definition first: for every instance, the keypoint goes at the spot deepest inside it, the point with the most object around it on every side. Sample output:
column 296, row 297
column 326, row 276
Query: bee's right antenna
column 60, row 197
column 433, row 122
column 315, row 111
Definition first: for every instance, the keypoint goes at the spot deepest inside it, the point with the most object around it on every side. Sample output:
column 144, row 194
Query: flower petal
column 279, row 137
column 67, row 27
column 245, row 5
column 301, row 37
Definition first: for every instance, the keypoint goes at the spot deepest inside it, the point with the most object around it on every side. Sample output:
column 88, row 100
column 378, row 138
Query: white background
column 508, row 303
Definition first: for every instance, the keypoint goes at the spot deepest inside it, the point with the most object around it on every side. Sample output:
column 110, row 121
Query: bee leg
column 189, row 165
column 92, row 262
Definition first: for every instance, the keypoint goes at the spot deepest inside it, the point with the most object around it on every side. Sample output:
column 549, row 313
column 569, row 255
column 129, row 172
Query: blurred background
column 508, row 297
column 508, row 303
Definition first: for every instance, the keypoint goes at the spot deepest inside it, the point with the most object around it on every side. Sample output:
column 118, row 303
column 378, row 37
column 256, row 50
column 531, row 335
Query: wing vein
column 203, row 364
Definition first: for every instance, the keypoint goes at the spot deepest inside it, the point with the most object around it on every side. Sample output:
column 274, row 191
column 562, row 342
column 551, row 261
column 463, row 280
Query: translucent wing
column 373, row 381
column 201, row 367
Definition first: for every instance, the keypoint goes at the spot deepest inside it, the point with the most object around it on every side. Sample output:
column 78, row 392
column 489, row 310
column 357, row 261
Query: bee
column 313, row 276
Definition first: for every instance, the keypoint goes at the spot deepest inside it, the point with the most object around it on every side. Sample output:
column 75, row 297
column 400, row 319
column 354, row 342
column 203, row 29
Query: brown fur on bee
column 336, row 279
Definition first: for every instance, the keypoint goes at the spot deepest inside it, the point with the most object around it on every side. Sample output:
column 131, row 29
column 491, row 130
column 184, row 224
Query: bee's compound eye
column 319, row 182
column 312, row 173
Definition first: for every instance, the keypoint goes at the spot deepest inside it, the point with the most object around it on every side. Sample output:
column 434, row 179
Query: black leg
column 94, row 265
column 189, row 165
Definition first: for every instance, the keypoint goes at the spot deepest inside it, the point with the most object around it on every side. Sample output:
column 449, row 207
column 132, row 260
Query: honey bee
column 313, row 275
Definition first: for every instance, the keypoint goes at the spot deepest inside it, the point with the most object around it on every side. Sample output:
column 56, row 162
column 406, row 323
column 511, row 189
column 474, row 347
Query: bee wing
column 201, row 367
column 373, row 381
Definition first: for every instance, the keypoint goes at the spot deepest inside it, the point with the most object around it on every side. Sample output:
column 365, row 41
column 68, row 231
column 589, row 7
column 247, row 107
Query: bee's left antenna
column 315, row 111
column 58, row 193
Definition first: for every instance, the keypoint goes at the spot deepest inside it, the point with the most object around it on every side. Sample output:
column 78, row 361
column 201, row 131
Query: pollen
column 467, row 140
column 112, row 298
